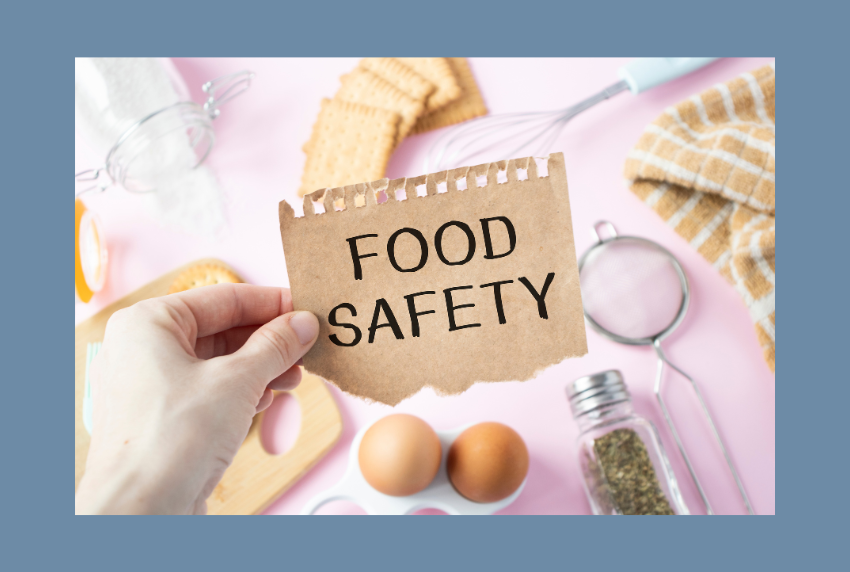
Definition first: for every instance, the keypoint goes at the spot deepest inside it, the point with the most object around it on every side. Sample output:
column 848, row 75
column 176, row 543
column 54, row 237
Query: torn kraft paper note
column 461, row 276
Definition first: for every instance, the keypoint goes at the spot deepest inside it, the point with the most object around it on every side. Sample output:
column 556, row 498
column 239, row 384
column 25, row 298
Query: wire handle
column 662, row 359
column 91, row 180
column 230, row 86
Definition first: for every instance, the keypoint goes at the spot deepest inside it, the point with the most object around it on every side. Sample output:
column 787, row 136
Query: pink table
column 258, row 160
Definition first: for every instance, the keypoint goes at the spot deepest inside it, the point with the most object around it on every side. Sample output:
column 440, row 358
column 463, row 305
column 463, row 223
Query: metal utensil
column 534, row 133
column 635, row 292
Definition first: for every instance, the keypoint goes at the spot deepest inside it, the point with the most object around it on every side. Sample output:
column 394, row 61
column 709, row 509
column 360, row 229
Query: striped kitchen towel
column 708, row 167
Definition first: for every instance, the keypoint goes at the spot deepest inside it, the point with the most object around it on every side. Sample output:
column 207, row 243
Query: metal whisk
column 534, row 133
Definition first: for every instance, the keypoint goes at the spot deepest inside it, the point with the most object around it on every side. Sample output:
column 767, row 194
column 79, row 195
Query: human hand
column 175, row 388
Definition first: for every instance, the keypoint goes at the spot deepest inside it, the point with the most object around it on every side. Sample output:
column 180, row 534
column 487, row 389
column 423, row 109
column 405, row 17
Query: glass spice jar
column 623, row 463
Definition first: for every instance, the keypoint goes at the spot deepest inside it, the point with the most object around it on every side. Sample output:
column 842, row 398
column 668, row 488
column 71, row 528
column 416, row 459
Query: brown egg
column 487, row 462
column 400, row 455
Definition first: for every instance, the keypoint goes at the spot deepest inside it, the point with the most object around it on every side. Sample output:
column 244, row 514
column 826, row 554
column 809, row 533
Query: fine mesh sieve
column 635, row 292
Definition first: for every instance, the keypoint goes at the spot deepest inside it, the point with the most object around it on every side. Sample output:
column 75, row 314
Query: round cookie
column 202, row 275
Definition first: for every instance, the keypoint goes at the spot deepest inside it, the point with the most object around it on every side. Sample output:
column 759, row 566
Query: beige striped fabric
column 708, row 167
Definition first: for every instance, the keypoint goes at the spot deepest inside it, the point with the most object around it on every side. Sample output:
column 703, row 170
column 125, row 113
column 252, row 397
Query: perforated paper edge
column 369, row 191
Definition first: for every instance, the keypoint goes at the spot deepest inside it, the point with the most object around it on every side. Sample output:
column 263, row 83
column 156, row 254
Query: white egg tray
column 440, row 494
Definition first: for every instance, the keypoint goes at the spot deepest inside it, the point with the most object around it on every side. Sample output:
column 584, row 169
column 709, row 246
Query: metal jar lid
column 597, row 390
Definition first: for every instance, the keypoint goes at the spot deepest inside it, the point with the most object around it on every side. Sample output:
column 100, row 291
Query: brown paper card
column 437, row 243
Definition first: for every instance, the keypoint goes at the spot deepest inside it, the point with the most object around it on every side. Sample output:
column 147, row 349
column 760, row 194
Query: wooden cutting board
column 255, row 478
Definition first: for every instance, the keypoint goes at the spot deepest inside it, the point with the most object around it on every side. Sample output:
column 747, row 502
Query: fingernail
column 306, row 327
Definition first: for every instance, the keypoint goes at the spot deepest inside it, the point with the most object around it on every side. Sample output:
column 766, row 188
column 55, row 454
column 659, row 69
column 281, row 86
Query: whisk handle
column 645, row 73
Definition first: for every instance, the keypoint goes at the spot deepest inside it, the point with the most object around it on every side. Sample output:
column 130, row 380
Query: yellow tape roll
column 89, row 253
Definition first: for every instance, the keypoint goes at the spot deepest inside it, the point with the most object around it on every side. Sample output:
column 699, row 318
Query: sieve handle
column 612, row 232
column 662, row 359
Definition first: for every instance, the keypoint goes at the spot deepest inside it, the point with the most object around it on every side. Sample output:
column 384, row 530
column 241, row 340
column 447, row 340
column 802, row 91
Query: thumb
column 275, row 347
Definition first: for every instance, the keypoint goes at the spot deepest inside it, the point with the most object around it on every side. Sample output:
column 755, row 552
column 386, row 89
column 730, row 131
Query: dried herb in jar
column 628, row 474
column 598, row 490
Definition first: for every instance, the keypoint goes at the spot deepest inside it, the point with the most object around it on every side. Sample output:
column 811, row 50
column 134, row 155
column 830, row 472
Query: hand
column 175, row 388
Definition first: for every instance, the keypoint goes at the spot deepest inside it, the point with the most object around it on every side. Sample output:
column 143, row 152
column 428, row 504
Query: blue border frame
column 39, row 41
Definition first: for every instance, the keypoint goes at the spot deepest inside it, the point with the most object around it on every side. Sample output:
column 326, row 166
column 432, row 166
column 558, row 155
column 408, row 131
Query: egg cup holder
column 440, row 494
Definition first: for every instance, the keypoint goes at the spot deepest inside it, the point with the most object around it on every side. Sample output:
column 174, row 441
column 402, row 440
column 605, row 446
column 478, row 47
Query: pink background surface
column 258, row 161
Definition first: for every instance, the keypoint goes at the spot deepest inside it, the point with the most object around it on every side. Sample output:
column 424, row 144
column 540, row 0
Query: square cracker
column 367, row 88
column 350, row 143
column 470, row 103
column 439, row 72
column 400, row 76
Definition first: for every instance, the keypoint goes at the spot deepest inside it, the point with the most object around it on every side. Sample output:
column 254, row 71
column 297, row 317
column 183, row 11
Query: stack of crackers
column 379, row 104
